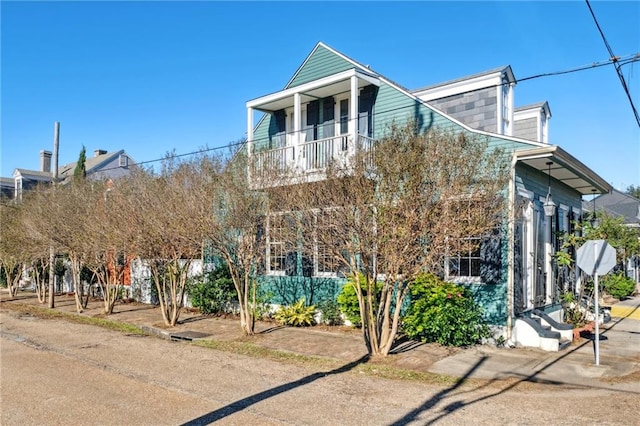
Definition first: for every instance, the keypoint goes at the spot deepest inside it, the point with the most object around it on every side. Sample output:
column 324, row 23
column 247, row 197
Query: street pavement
column 619, row 345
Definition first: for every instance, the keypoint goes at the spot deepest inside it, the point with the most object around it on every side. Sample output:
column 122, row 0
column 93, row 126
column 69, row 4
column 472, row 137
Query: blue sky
column 151, row 77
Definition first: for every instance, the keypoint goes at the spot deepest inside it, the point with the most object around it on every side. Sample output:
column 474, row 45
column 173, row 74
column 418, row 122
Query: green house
column 334, row 106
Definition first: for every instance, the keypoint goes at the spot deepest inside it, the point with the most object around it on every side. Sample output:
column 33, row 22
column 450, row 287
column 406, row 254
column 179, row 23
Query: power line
column 616, row 64
column 621, row 61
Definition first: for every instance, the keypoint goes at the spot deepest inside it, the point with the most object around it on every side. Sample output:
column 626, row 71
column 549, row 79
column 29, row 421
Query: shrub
column 297, row 315
column 348, row 300
column 330, row 312
column 213, row 294
column 618, row 286
column 348, row 304
column 444, row 313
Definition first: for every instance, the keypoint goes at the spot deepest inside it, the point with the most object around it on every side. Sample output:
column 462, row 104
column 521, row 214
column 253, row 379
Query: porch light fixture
column 549, row 205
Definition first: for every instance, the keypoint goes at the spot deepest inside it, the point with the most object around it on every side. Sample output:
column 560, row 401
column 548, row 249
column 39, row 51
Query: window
column 473, row 255
column 326, row 228
column 276, row 250
column 464, row 259
column 124, row 160
column 344, row 116
column 365, row 110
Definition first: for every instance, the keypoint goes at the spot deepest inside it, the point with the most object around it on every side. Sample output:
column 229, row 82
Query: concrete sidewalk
column 619, row 349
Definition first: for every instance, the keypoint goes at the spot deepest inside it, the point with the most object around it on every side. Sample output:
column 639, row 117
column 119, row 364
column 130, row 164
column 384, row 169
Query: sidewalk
column 619, row 349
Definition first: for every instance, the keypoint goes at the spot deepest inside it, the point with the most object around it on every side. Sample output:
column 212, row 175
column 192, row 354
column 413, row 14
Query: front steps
column 543, row 332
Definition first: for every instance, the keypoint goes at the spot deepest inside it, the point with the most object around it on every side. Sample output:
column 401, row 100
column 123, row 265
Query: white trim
column 463, row 86
column 499, row 110
column 525, row 193
column 315, row 84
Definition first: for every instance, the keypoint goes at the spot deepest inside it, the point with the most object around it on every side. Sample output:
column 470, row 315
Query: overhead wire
column 616, row 64
column 628, row 59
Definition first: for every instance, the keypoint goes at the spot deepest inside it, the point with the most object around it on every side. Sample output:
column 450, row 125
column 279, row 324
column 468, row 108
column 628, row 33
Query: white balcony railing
column 309, row 157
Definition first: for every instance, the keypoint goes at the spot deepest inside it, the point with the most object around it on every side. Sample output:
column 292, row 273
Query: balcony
column 306, row 161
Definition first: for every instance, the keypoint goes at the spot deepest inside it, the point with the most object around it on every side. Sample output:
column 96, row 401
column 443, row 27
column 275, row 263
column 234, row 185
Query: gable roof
column 32, row 174
column 65, row 172
column 91, row 164
column 617, row 204
column 505, row 69
column 325, row 63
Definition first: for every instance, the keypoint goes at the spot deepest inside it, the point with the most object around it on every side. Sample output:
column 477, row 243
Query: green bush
column 444, row 313
column 297, row 315
column 618, row 286
column 330, row 312
column 348, row 300
column 348, row 304
column 213, row 294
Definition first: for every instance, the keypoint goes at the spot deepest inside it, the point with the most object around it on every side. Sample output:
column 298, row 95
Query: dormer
column 532, row 122
column 482, row 101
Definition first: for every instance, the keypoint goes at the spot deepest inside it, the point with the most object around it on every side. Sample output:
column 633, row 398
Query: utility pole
column 52, row 254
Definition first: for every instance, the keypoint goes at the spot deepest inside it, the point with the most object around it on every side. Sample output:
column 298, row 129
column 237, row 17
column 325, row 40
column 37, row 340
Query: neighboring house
column 621, row 205
column 103, row 165
column 7, row 189
column 333, row 106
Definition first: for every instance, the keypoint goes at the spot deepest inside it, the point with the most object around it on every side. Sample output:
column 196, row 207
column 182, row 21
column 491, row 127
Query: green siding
column 321, row 63
column 261, row 132
column 392, row 105
column 537, row 182
column 288, row 290
column 493, row 300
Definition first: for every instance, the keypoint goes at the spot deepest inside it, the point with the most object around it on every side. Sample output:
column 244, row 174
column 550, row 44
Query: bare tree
column 66, row 223
column 170, row 214
column 396, row 211
column 12, row 251
column 237, row 233
column 107, row 241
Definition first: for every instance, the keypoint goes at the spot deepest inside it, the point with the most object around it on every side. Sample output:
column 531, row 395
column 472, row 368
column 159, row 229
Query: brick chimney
column 45, row 161
column 99, row 152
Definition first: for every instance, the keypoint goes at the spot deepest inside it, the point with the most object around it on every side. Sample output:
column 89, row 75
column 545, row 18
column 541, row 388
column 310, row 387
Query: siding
column 526, row 129
column 537, row 182
column 288, row 290
column 321, row 63
column 476, row 109
column 493, row 299
column 261, row 132
column 392, row 105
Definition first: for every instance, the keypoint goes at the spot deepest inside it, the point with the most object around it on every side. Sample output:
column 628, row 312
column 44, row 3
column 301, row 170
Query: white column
column 297, row 126
column 499, row 100
column 509, row 130
column 353, row 114
column 540, row 133
column 297, row 117
column 249, row 130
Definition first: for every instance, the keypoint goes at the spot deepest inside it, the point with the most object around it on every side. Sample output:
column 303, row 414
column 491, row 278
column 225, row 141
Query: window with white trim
column 326, row 225
column 472, row 257
column 276, row 244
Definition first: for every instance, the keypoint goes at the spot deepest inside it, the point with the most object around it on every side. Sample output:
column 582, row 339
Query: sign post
column 596, row 257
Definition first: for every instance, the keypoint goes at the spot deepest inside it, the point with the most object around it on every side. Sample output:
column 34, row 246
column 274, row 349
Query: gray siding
column 476, row 109
column 394, row 106
column 526, row 129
